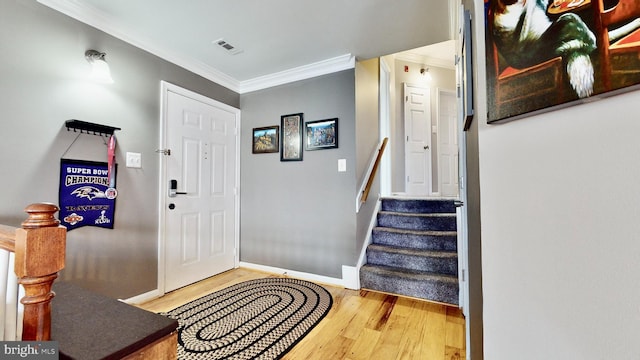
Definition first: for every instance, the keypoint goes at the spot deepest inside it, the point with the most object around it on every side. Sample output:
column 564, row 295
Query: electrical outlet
column 134, row 160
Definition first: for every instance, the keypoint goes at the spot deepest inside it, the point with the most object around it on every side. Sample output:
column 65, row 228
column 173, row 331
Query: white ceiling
column 280, row 40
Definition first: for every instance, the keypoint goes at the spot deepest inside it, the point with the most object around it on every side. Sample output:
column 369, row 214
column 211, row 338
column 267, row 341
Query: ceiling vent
column 227, row 47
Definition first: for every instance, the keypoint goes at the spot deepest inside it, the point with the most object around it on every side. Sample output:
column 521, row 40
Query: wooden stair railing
column 39, row 248
column 373, row 170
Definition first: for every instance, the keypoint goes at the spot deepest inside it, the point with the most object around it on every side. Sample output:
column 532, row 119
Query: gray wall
column 300, row 215
column 43, row 82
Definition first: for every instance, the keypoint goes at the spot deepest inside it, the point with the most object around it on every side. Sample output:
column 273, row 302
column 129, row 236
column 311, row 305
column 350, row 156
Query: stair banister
column 39, row 248
column 374, row 164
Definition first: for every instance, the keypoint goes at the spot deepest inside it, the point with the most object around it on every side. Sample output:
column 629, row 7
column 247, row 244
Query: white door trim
column 165, row 88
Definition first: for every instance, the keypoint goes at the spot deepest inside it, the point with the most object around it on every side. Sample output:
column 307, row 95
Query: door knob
column 426, row 147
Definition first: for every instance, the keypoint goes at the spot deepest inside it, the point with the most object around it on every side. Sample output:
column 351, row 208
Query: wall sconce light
column 99, row 67
column 425, row 74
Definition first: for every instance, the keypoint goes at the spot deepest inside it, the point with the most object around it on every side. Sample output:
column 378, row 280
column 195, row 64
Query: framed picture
column 291, row 144
column 265, row 140
column 321, row 134
column 568, row 52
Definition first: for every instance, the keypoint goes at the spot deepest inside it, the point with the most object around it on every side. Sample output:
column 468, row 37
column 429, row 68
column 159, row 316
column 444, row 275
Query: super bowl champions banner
column 87, row 196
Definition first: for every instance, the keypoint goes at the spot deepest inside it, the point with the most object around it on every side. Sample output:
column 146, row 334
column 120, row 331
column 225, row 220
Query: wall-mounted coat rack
column 90, row 128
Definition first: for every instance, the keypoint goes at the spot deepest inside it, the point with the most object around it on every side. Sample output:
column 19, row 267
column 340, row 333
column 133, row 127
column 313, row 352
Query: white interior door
column 417, row 119
column 448, row 144
column 199, row 195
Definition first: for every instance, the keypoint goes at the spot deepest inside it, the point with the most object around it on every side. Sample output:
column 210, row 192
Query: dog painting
column 544, row 53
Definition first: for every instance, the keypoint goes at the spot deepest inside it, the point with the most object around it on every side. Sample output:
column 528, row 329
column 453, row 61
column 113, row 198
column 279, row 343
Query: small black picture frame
column 291, row 144
column 266, row 140
column 321, row 134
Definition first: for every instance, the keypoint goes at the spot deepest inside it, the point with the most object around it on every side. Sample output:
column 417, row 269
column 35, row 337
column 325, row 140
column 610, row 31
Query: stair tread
column 447, row 215
column 419, row 205
column 426, row 199
column 416, row 232
column 408, row 273
column 413, row 251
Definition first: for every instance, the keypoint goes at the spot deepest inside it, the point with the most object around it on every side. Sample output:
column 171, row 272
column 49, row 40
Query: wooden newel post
column 40, row 254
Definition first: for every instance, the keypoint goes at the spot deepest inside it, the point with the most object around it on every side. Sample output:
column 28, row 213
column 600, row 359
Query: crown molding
column 324, row 67
column 427, row 60
column 95, row 18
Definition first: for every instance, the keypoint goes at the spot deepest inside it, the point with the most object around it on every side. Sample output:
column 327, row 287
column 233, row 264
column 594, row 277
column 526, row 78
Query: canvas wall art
column 543, row 54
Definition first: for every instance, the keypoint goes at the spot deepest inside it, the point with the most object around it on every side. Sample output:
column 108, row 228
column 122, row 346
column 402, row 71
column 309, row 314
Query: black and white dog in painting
column 525, row 36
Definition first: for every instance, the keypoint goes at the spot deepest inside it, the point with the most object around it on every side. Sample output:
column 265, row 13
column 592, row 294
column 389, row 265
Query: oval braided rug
column 256, row 319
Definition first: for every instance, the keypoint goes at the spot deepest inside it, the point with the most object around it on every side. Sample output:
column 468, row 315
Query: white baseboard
column 296, row 274
column 139, row 299
column 350, row 280
column 351, row 277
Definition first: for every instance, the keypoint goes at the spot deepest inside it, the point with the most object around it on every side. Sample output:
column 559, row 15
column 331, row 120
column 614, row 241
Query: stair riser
column 431, row 290
column 444, row 223
column 419, row 206
column 440, row 265
column 415, row 241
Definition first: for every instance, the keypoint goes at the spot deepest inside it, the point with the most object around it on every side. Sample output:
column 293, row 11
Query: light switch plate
column 134, row 160
column 342, row 165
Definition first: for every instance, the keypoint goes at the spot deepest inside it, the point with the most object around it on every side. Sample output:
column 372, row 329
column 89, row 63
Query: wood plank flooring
column 360, row 325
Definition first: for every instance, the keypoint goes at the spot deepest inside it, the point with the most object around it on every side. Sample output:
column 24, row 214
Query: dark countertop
column 90, row 326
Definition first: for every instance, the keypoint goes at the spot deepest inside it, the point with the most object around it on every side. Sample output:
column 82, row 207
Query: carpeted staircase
column 414, row 250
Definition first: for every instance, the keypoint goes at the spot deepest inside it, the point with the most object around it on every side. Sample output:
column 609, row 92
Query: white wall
column 560, row 233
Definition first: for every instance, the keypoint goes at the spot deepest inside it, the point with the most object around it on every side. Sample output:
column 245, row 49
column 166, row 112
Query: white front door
column 448, row 144
column 417, row 116
column 200, row 185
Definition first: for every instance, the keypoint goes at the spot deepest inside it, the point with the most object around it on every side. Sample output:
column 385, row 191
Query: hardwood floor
column 360, row 325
